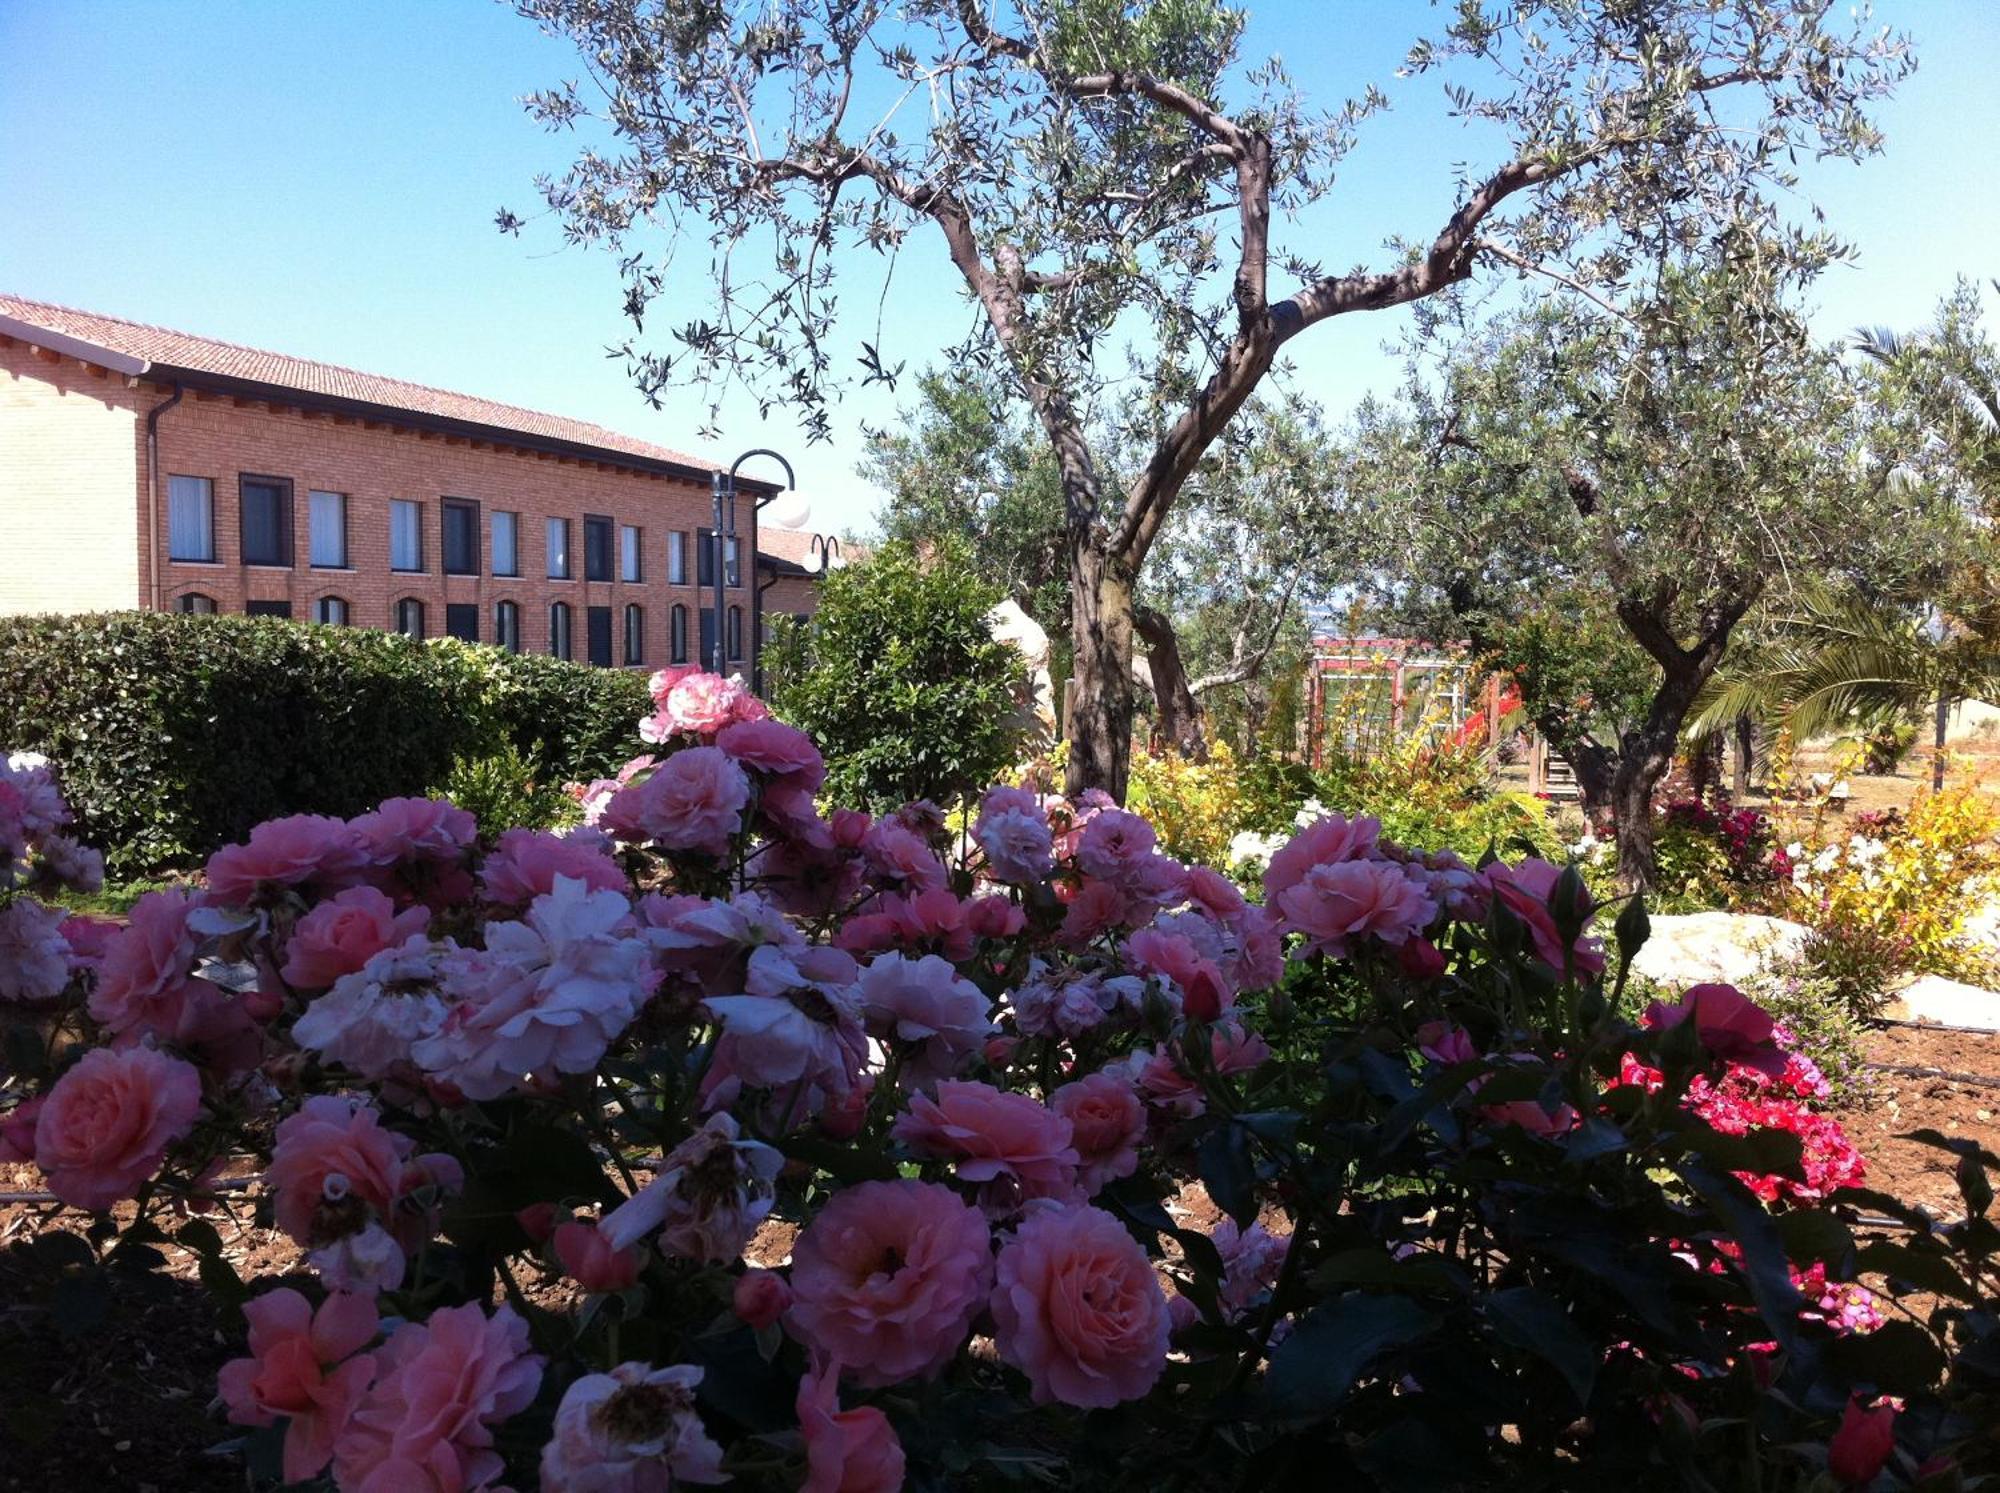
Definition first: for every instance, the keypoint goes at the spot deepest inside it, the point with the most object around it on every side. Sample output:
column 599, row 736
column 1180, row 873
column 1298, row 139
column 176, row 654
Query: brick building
column 141, row 467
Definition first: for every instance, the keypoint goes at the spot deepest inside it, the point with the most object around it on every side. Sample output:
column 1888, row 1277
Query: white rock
column 1951, row 1002
column 1698, row 947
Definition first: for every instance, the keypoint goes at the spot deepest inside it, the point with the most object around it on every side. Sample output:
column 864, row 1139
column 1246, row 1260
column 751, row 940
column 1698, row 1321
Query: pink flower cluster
column 40, row 948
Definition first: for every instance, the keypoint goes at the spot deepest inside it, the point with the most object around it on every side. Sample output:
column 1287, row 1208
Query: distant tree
column 1658, row 471
column 1099, row 172
column 899, row 679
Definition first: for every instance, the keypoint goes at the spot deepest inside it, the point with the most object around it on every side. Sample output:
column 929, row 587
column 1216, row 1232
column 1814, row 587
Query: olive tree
column 1106, row 172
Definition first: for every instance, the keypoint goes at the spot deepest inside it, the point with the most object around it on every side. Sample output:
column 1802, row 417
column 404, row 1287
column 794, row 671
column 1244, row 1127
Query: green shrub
column 501, row 790
column 175, row 734
column 901, row 681
column 1823, row 1023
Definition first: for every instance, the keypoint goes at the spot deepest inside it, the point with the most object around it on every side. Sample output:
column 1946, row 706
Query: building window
column 506, row 544
column 735, row 632
column 677, row 634
column 558, row 549
column 731, row 568
column 629, row 550
column 196, row 603
column 267, row 520
column 406, row 535
column 596, row 548
column 559, row 629
column 460, row 517
column 410, row 617
column 332, row 610
column 677, row 558
column 597, row 635
column 704, row 557
column 326, row 530
column 635, row 634
column 707, row 659
column 461, row 621
column 190, row 519
column 267, row 609
column 507, row 625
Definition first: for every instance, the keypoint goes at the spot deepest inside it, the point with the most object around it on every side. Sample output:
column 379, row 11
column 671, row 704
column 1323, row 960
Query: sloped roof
column 168, row 354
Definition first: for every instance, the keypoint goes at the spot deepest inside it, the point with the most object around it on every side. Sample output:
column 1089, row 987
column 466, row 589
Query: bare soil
column 1901, row 1103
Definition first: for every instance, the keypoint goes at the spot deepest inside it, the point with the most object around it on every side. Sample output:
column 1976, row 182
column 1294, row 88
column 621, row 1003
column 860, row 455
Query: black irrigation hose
column 1932, row 1026
column 1914, row 1070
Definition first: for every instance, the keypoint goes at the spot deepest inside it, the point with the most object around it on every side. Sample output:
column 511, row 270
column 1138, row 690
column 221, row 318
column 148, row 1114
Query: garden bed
column 1902, row 1103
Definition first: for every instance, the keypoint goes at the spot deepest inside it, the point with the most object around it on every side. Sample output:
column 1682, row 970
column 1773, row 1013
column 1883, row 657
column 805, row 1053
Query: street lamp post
column 722, row 486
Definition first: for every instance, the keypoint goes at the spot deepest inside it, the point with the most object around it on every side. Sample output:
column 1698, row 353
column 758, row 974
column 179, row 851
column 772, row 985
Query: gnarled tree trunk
column 1100, row 710
column 1180, row 714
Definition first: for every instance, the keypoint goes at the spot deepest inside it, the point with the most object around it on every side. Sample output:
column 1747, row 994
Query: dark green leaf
column 1333, row 1345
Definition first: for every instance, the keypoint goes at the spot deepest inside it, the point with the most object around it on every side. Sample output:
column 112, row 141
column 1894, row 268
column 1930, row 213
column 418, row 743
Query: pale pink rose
column 1097, row 907
column 1729, row 1024
column 760, row 1297
column 888, row 1278
column 1078, row 1309
column 703, row 703
column 1442, row 1042
column 67, row 863
column 525, row 863
column 899, row 859
column 1325, row 842
column 107, row 1123
column 416, row 829
column 372, row 1018
column 692, row 801
column 1018, row 844
column 442, row 1385
column 34, row 956
column 305, row 1366
column 304, row 850
column 662, row 681
column 1106, row 1123
column 1525, row 887
column 847, row 1451
column 1012, row 1147
column 994, row 917
column 366, row 1263
column 1071, row 1002
column 1114, row 845
column 706, row 1200
column 1232, row 1050
column 343, row 933
column 1214, row 893
column 783, row 754
column 1205, row 995
column 1336, row 905
column 936, row 1017
column 1251, row 1260
column 592, row 1261
column 708, row 943
column 1259, row 961
column 17, row 1130
column 633, row 1430
column 799, row 1024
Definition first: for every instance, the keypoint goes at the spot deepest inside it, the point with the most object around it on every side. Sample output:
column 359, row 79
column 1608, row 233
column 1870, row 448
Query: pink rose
column 17, row 1130
column 847, row 1451
column 928, row 1009
column 1525, row 887
column 1729, row 1024
column 334, row 1170
column 1214, row 893
column 888, row 1278
column 444, row 1383
column 1018, row 844
column 994, row 917
column 1335, row 905
column 703, row 704
column 899, row 859
column 525, row 863
column 662, row 681
column 1106, row 1122
column 761, row 1297
column 90, row 940
column 592, row 1261
column 304, row 850
column 1078, row 1309
column 707, row 1198
column 692, row 801
column 1323, row 843
column 107, row 1123
column 1011, row 1146
column 1097, row 907
column 1205, row 995
column 345, row 932
column 34, row 957
column 304, row 1366
column 633, row 1430
column 781, row 753
column 416, row 829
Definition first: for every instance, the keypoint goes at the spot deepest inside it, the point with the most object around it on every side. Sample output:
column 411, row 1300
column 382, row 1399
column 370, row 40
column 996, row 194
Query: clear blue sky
column 321, row 179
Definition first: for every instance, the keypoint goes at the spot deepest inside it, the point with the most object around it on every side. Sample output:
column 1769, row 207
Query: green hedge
column 175, row 734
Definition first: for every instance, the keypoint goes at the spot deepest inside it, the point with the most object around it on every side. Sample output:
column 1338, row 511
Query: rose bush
column 721, row 1137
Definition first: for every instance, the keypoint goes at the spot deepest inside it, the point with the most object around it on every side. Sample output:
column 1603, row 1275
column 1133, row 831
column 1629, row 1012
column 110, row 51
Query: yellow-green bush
column 1195, row 807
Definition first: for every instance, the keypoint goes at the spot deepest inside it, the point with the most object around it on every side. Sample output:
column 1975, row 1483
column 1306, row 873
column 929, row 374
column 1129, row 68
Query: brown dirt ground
column 1901, row 1103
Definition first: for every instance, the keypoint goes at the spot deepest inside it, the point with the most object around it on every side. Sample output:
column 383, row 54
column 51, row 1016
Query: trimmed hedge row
column 175, row 734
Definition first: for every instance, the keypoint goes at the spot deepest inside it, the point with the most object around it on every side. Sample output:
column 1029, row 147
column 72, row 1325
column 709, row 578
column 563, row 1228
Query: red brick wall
column 71, row 448
column 73, row 512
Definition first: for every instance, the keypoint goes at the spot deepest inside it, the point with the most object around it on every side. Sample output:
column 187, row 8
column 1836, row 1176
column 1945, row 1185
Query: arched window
column 410, row 617
column 332, row 610
column 677, row 634
column 735, row 633
column 507, row 625
column 559, row 629
column 195, row 602
column 635, row 634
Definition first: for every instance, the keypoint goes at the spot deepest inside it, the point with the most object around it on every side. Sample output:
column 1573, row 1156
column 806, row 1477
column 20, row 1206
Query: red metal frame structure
column 1401, row 664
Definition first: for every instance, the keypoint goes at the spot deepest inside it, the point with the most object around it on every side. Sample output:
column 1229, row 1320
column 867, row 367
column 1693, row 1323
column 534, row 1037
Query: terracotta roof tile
column 183, row 350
